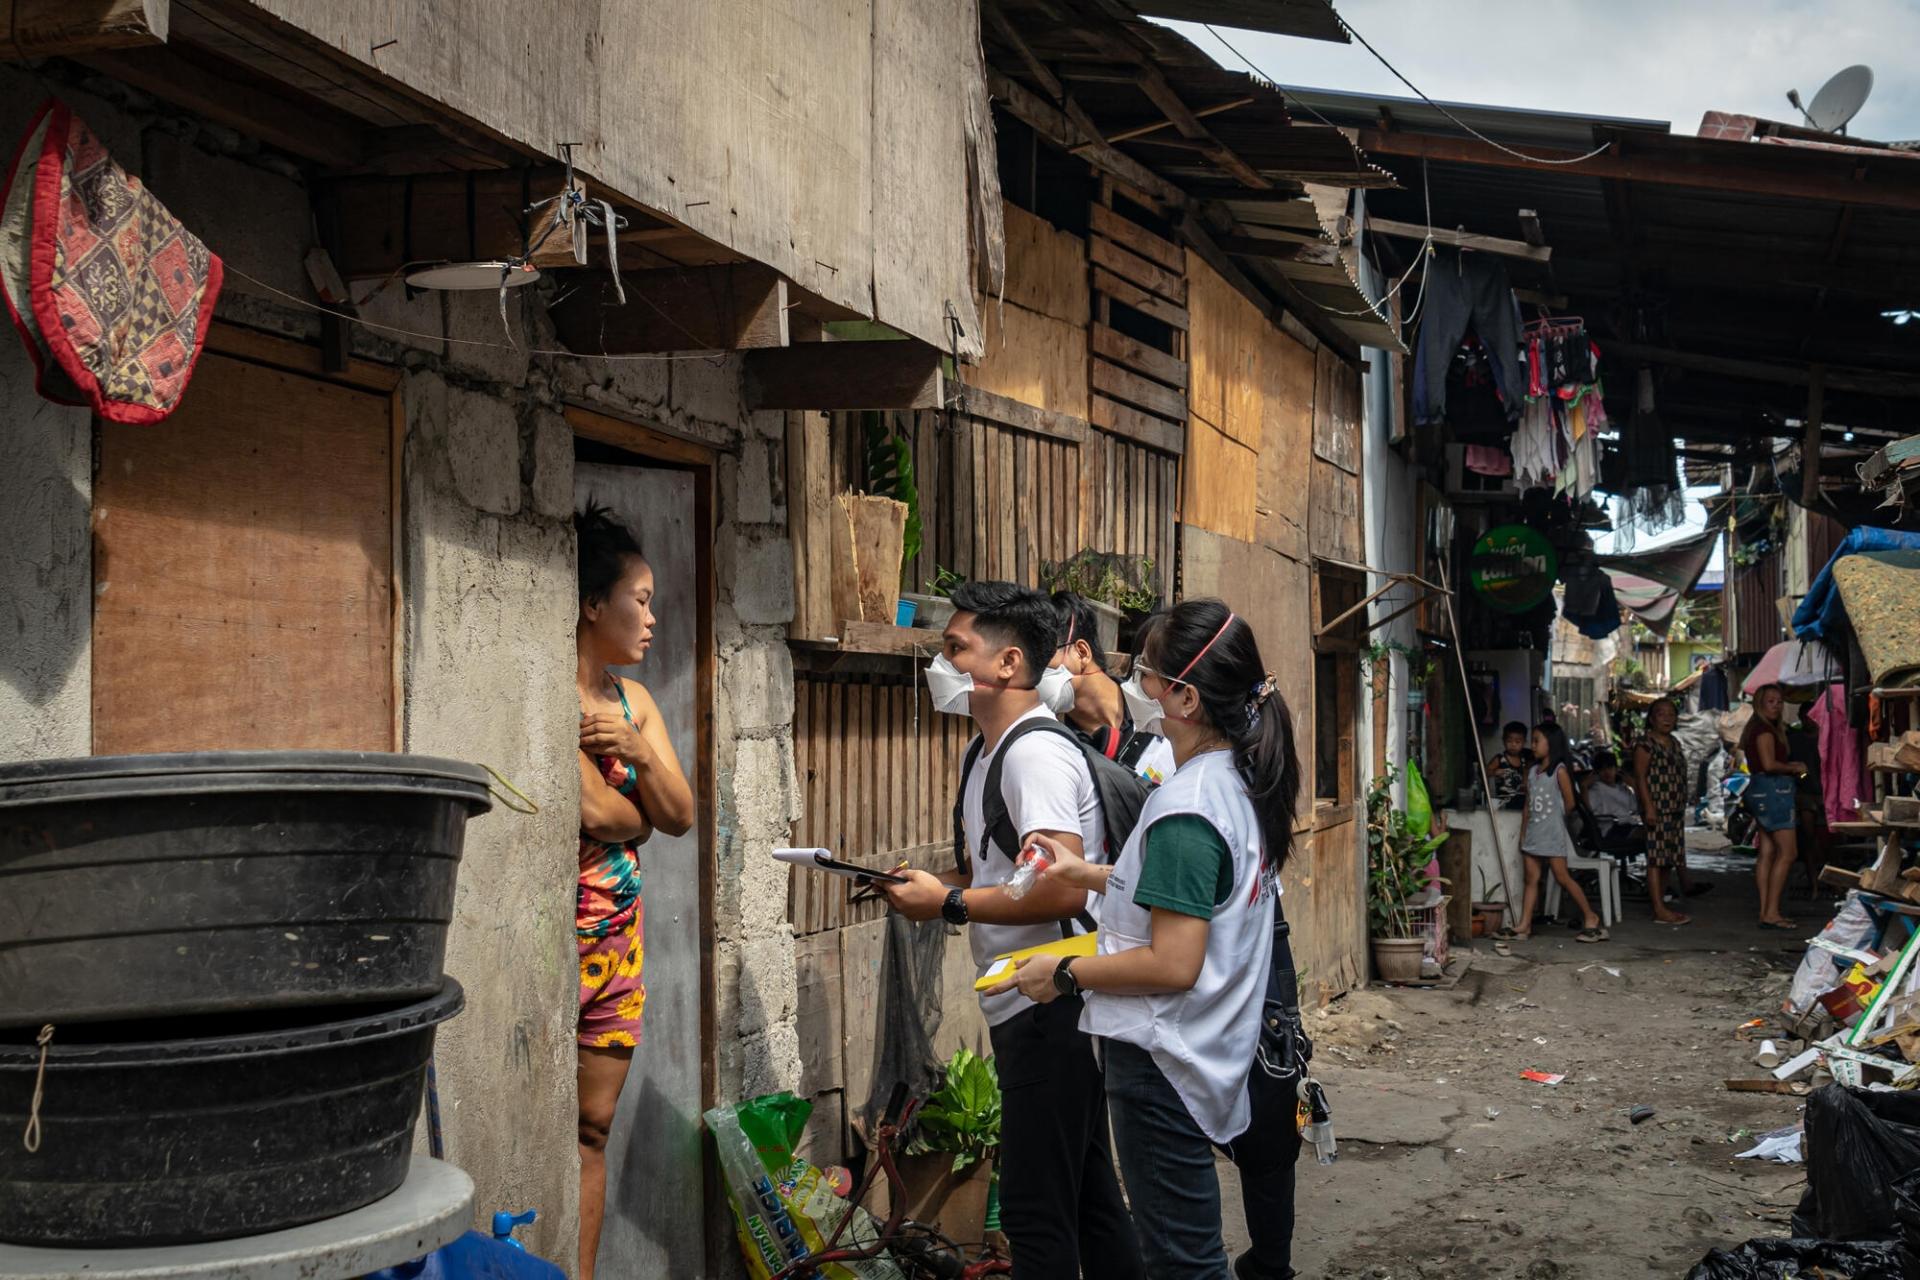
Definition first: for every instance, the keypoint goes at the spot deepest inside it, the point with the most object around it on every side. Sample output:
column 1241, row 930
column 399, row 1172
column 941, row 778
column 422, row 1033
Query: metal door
column 655, row 1179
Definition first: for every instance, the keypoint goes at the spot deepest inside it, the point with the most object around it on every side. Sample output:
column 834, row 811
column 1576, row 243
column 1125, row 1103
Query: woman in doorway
column 1660, row 780
column 1545, row 842
column 631, row 785
column 1769, row 798
column 1187, row 949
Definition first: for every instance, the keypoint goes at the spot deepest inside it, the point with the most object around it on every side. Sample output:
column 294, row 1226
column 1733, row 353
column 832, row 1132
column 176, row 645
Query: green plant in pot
column 1397, row 859
column 1118, row 587
column 949, row 1164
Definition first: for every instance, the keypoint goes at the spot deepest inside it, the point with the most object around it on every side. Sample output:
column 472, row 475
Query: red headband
column 1182, row 677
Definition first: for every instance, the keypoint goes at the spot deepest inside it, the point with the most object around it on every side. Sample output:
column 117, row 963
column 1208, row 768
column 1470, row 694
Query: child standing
column 1545, row 842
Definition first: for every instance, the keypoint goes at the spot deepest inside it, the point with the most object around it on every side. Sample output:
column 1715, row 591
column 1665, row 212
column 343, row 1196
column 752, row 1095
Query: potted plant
column 934, row 609
column 1117, row 586
column 1397, row 860
column 949, row 1166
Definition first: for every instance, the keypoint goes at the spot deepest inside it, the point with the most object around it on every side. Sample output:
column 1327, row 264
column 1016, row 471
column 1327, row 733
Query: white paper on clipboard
column 823, row 860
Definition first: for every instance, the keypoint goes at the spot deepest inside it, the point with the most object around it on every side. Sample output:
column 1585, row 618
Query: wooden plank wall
column 1035, row 333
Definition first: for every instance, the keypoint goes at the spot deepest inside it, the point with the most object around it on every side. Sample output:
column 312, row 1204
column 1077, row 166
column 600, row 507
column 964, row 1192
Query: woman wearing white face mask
column 1187, row 951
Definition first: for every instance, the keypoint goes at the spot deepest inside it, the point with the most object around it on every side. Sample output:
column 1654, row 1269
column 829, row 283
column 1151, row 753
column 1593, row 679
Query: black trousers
column 1060, row 1201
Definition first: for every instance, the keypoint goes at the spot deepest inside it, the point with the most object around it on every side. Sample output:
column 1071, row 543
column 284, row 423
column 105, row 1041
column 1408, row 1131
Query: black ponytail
column 1241, row 699
column 605, row 544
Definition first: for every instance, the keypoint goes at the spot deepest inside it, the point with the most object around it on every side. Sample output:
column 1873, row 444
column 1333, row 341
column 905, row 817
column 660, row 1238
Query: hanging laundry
column 1488, row 460
column 1475, row 412
column 110, row 293
column 1462, row 289
column 1843, row 774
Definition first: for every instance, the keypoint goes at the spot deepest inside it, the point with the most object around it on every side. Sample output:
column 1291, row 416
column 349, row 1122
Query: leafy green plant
column 963, row 1115
column 943, row 581
column 1420, row 665
column 1397, row 858
column 889, row 461
column 1125, row 582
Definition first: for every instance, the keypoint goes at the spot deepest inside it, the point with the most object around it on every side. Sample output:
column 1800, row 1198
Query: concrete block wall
column 490, row 591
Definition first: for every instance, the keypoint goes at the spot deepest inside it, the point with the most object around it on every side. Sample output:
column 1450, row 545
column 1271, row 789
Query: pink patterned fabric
column 1843, row 766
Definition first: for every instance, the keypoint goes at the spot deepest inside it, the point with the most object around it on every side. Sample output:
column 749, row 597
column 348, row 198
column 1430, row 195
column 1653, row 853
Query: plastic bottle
column 1033, row 860
column 766, row 1222
column 1319, row 1127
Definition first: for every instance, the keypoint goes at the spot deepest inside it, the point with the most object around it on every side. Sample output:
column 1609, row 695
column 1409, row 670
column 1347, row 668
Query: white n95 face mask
column 950, row 687
column 1056, row 690
column 1146, row 712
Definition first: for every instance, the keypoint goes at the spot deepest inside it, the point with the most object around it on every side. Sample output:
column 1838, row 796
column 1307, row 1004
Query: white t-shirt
column 1612, row 801
column 1046, row 787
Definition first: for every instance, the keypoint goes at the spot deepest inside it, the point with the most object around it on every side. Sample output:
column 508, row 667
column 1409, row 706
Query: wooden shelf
column 878, row 639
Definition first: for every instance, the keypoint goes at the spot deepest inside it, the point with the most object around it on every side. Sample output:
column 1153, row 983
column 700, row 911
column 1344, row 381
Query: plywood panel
column 238, row 604
column 1336, row 411
column 1033, row 358
column 1286, row 450
column 1333, row 523
column 1221, row 474
column 1046, row 267
column 1228, row 344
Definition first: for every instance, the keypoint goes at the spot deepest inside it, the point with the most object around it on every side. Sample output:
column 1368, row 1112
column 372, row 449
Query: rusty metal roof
column 1312, row 19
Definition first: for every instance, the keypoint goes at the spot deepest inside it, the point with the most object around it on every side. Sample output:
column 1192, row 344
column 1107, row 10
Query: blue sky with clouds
column 1650, row 59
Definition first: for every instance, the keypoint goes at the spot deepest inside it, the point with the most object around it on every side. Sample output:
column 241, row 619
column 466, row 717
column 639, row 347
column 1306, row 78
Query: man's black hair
column 1605, row 760
column 1009, row 614
column 1514, row 726
column 1080, row 622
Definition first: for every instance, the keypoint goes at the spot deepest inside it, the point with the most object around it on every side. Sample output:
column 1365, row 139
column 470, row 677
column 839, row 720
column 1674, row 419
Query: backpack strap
column 997, row 824
column 962, row 858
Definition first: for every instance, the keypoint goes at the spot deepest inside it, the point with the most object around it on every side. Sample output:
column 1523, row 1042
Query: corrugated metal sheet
column 1752, row 621
column 1313, row 19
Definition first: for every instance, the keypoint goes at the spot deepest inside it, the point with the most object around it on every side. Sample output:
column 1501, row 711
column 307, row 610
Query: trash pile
column 1850, row 1044
column 1854, row 1005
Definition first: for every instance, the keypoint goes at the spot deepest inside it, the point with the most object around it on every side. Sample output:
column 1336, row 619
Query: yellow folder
column 1080, row 944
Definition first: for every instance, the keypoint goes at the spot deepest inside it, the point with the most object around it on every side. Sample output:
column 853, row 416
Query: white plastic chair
column 1609, row 869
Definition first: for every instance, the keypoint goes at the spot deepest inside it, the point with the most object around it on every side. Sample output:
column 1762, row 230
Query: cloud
column 1646, row 59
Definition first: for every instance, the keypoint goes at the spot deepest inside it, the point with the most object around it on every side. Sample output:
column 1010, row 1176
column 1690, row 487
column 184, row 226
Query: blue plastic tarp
column 1821, row 609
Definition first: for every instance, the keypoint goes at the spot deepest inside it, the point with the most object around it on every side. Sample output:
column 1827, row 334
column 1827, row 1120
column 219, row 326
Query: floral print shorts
column 612, row 994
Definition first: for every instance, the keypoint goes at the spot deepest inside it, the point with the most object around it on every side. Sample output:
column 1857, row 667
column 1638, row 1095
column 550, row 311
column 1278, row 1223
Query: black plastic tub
column 170, row 885
column 209, row 1134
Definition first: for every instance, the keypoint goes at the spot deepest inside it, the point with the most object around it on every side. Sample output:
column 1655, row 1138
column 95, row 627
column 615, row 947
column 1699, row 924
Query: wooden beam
column 1122, row 384
column 1530, row 229
column 1129, row 423
column 1039, row 71
column 903, row 374
column 1872, row 382
column 1463, row 239
column 281, row 120
column 977, row 402
column 1810, row 446
column 1138, row 356
column 69, row 28
column 1141, row 131
column 732, row 307
column 1125, row 291
column 1028, row 107
column 1137, row 238
column 1153, row 83
column 1697, row 163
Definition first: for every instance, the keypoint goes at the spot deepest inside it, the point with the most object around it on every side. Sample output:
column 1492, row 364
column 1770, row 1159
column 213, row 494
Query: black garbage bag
column 1791, row 1260
column 1906, row 1207
column 1859, row 1143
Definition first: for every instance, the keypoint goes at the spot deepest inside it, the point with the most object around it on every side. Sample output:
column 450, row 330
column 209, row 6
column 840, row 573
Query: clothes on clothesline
column 1843, row 772
column 1462, row 289
column 1713, row 688
column 1488, row 460
column 1475, row 412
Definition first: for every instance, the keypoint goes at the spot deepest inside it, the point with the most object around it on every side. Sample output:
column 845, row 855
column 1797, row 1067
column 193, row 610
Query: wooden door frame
column 251, row 346
column 648, row 445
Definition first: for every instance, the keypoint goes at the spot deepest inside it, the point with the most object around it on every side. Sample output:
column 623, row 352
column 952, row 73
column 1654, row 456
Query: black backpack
column 1122, row 793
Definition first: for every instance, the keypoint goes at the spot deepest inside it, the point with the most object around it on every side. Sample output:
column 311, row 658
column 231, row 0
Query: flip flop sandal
column 1591, row 935
column 1675, row 924
column 1505, row 933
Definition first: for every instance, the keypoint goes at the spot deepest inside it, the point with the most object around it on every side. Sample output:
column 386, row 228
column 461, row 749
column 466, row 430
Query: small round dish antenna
column 473, row 275
column 1840, row 99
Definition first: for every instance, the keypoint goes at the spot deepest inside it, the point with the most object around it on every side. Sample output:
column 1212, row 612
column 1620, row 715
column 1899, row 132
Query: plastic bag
column 782, row 1215
column 1906, row 1207
column 1792, row 1259
column 1860, row 1142
column 1851, row 926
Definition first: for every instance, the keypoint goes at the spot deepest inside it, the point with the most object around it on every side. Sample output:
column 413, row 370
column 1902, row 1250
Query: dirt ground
column 1452, row 1165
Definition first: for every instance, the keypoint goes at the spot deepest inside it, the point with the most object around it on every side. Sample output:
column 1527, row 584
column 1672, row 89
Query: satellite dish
column 1840, row 99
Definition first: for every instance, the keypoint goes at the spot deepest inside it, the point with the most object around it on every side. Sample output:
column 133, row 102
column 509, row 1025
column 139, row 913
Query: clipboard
column 823, row 860
column 1080, row 944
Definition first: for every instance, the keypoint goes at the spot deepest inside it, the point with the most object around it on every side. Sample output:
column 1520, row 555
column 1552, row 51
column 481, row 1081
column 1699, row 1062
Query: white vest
column 1202, row 1040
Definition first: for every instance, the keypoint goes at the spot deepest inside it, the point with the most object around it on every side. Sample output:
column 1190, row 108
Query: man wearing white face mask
column 1060, row 1200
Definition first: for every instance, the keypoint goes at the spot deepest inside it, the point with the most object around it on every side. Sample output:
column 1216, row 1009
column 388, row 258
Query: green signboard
column 1512, row 568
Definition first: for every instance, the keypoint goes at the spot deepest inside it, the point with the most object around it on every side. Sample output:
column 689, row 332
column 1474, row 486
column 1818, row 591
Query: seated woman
column 631, row 785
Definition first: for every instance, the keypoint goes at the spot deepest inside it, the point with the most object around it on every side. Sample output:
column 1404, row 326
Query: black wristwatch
column 954, row 909
column 1063, row 980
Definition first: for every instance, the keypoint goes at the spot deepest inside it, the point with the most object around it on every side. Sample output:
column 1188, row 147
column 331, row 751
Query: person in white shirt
column 1186, row 951
column 1610, row 797
column 1060, row 1202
